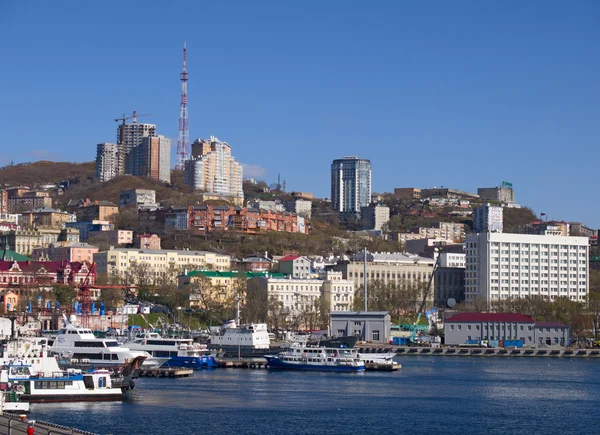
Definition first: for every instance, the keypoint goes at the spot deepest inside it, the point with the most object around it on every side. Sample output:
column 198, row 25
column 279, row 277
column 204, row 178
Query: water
column 428, row 394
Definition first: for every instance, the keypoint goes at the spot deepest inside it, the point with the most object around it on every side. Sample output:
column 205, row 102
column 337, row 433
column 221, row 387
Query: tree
column 277, row 315
column 112, row 297
column 64, row 294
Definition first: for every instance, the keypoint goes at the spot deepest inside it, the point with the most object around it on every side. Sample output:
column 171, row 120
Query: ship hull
column 276, row 363
column 192, row 362
column 243, row 352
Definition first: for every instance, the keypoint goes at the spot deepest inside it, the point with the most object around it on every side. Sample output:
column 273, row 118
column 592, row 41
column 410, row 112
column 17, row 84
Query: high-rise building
column 128, row 137
column 488, row 219
column 350, row 184
column 213, row 169
column 108, row 161
column 507, row 266
column 152, row 158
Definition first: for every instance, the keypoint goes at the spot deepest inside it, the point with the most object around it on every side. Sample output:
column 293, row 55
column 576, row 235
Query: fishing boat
column 58, row 386
column 179, row 352
column 316, row 359
column 79, row 345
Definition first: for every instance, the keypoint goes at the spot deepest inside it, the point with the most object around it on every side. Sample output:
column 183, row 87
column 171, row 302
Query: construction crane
column 413, row 334
column 134, row 116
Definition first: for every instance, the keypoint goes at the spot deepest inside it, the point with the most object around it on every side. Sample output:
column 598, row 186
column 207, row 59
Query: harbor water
column 427, row 395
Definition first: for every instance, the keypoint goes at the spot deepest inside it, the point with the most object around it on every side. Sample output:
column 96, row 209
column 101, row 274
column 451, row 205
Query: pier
column 499, row 352
column 171, row 372
column 382, row 367
column 11, row 424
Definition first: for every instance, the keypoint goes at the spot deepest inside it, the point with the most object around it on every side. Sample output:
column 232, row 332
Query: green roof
column 594, row 258
column 13, row 256
column 232, row 274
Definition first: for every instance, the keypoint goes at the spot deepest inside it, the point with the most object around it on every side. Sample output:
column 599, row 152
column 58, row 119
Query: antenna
column 183, row 142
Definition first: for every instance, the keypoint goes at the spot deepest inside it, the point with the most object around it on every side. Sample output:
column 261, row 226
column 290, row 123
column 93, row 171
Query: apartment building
column 151, row 158
column 87, row 211
column 295, row 294
column 147, row 241
column 488, row 218
column 161, row 264
column 338, row 293
column 301, row 207
column 66, row 251
column 501, row 194
column 350, row 184
column 506, row 266
column 24, row 241
column 28, row 200
column 46, row 217
column 137, row 197
column 295, row 266
column 113, row 237
column 85, row 228
column 130, row 136
column 109, row 161
column 375, row 216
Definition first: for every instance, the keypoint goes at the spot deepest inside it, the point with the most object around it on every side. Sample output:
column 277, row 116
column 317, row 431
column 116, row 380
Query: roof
column 550, row 325
column 289, row 258
column 49, row 266
column 490, row 317
column 13, row 256
column 232, row 274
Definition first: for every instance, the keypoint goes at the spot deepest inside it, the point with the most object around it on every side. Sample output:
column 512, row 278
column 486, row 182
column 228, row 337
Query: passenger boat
column 251, row 340
column 80, row 345
column 179, row 352
column 376, row 355
column 10, row 401
column 317, row 358
column 58, row 385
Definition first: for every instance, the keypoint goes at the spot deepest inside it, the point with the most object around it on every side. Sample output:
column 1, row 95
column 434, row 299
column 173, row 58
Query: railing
column 13, row 425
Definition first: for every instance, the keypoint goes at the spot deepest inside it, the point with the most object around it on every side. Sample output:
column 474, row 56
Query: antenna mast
column 183, row 142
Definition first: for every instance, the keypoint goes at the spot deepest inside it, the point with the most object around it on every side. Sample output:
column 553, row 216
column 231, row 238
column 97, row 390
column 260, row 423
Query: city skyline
column 490, row 92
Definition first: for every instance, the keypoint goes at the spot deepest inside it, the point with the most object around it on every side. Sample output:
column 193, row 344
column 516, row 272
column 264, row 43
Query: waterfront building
column 109, row 161
column 504, row 326
column 160, row 264
column 151, row 158
column 488, row 218
column 506, row 266
column 372, row 326
column 213, row 169
column 350, row 184
column 296, row 295
column 375, row 216
column 338, row 293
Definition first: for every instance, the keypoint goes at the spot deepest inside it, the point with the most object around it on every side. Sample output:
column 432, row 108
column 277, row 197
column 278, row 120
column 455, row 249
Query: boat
column 316, row 359
column 246, row 341
column 58, row 386
column 342, row 341
column 376, row 355
column 80, row 346
column 179, row 352
column 10, row 402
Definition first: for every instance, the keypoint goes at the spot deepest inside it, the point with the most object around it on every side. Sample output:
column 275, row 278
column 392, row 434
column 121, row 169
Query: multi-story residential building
column 488, row 219
column 160, row 264
column 113, row 237
column 338, row 293
column 407, row 192
column 87, row 211
column 501, row 194
column 109, row 161
column 449, row 231
column 506, row 266
column 404, row 270
column 137, row 197
column 551, row 228
column 261, row 204
column 151, row 158
column 66, row 251
column 504, row 326
column 213, row 169
column 24, row 241
column 207, row 218
column 447, row 193
column 452, row 259
column 147, row 241
column 295, row 266
column 130, row 136
column 350, row 184
column 375, row 216
column 25, row 200
column 3, row 201
column 85, row 228
column 578, row 229
column 301, row 207
column 46, row 217
column 256, row 264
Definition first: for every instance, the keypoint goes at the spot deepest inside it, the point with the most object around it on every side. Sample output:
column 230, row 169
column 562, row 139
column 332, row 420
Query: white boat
column 179, row 352
column 249, row 340
column 317, row 359
column 376, row 355
column 80, row 345
column 58, row 385
column 10, row 401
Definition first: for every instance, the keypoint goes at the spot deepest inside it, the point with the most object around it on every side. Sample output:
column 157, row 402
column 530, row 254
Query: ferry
column 251, row 340
column 81, row 345
column 58, row 385
column 317, row 358
column 179, row 352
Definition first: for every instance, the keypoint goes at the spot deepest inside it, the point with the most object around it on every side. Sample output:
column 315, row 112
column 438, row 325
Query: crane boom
column 424, row 301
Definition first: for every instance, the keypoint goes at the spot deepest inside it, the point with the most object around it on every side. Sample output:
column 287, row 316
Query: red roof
column 289, row 258
column 50, row 266
column 490, row 317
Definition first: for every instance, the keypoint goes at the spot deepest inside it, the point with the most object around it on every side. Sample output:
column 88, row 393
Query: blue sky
column 462, row 94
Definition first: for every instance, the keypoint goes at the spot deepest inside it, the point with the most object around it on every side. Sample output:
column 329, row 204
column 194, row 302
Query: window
column 375, row 335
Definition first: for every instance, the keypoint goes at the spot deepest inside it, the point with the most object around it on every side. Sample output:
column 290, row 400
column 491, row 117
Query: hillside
column 32, row 174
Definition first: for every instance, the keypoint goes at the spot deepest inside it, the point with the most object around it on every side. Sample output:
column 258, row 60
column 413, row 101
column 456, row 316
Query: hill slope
column 32, row 174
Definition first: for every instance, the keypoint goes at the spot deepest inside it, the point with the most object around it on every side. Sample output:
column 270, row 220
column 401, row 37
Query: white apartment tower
column 488, row 219
column 350, row 184
column 507, row 266
column 108, row 160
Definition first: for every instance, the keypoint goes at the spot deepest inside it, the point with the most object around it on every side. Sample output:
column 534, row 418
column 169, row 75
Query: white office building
column 506, row 266
column 488, row 219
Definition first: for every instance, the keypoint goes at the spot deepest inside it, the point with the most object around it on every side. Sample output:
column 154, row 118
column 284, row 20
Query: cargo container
column 513, row 343
column 399, row 341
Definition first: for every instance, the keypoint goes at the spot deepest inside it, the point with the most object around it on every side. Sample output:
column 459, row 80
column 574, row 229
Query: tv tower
column 183, row 143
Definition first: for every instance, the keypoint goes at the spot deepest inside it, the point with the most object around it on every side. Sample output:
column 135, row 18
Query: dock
column 242, row 363
column 380, row 367
column 170, row 372
column 11, row 424
column 499, row 352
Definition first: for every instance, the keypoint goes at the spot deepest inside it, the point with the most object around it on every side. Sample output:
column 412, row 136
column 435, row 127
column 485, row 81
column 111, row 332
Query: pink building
column 147, row 241
column 115, row 237
column 72, row 251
